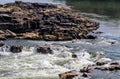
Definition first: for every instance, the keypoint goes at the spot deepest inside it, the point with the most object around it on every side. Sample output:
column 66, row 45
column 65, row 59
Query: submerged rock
column 44, row 50
column 87, row 69
column 47, row 22
column 85, row 75
column 103, row 61
column 2, row 44
column 110, row 65
column 16, row 49
column 74, row 56
column 86, row 72
column 91, row 37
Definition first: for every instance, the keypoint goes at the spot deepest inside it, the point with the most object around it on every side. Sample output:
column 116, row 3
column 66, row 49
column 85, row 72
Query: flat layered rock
column 68, row 75
column 49, row 22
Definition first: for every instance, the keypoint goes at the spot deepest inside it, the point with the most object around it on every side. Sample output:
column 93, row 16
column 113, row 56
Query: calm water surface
column 30, row 65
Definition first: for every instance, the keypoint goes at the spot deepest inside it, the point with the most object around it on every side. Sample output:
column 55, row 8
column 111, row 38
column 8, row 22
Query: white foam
column 4, row 51
column 29, row 63
column 104, row 60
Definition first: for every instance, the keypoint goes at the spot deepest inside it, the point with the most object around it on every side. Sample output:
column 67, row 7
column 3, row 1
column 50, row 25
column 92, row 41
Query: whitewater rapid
column 33, row 65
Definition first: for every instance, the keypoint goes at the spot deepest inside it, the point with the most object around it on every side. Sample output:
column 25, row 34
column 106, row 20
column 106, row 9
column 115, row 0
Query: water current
column 32, row 65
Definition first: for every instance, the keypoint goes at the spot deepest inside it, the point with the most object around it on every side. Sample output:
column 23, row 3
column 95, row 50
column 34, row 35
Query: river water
column 32, row 65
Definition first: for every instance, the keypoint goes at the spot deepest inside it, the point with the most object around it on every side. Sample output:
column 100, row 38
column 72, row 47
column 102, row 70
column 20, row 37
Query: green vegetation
column 103, row 7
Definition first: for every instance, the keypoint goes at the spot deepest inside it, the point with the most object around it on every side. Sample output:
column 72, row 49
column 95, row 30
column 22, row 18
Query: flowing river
column 32, row 65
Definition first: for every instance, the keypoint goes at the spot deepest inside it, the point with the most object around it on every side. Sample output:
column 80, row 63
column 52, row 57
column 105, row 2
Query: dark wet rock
column 68, row 75
column 99, row 32
column 103, row 61
column 91, row 37
column 44, row 50
column 1, row 5
column 16, row 49
column 2, row 44
column 51, row 22
column 112, row 43
column 110, row 67
column 74, row 56
column 2, row 38
column 86, row 72
column 115, row 63
column 64, row 37
column 88, row 69
column 85, row 75
column 68, row 24
column 5, row 18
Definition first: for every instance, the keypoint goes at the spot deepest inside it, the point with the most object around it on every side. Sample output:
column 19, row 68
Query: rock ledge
column 25, row 20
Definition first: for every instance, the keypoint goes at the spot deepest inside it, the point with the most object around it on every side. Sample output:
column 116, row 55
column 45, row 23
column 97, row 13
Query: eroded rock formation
column 44, row 22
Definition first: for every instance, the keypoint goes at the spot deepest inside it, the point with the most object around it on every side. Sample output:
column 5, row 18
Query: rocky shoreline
column 87, row 72
column 39, row 21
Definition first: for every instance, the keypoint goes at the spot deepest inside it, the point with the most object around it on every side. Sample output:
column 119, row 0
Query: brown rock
column 2, row 37
column 67, row 75
column 9, row 34
column 64, row 36
column 5, row 10
column 31, row 36
column 53, row 22
column 49, row 37
column 2, row 32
